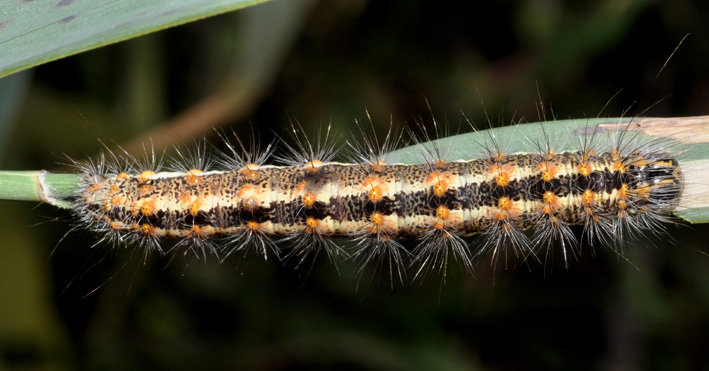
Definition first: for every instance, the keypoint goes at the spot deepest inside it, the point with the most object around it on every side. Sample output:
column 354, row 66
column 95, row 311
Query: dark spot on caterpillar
column 3, row 24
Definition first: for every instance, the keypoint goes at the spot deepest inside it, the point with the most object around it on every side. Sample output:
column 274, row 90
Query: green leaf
column 54, row 189
column 38, row 31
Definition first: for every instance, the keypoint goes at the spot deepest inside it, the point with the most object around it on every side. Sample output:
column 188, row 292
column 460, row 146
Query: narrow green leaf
column 55, row 189
column 37, row 31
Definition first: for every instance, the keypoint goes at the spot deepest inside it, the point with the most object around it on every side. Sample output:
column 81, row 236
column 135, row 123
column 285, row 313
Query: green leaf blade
column 35, row 32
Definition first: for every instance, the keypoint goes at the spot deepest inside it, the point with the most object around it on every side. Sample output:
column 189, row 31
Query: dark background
column 331, row 62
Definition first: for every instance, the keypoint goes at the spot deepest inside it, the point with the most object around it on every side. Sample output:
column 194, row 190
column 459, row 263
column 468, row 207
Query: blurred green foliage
column 35, row 32
column 327, row 62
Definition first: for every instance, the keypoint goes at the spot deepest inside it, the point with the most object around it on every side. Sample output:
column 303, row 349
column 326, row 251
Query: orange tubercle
column 195, row 206
column 115, row 226
column 440, row 183
column 443, row 212
column 551, row 202
column 549, row 170
column 550, row 198
column 309, row 199
column 502, row 175
column 502, row 180
column 439, row 189
column 505, row 203
column 147, row 230
column 194, row 176
column 197, row 231
column 585, row 169
column 588, row 197
column 148, row 207
column 618, row 166
column 250, row 171
column 375, row 194
column 378, row 165
column 377, row 218
column 313, row 166
column 145, row 176
column 507, row 209
column 311, row 225
column 116, row 200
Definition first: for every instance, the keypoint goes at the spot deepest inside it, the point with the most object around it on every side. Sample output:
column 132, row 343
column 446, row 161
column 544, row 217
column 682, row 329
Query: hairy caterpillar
column 611, row 181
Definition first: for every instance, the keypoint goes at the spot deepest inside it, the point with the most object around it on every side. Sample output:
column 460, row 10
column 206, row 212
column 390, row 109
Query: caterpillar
column 610, row 180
